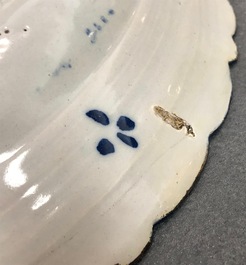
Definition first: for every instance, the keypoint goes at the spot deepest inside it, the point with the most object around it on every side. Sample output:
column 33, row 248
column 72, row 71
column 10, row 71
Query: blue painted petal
column 98, row 116
column 105, row 147
column 125, row 123
column 128, row 140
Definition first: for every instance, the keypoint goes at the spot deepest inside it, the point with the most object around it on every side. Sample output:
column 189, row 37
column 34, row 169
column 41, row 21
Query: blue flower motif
column 105, row 147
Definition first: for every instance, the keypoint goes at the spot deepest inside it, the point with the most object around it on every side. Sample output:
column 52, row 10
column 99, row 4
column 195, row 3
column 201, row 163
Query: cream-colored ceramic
column 105, row 112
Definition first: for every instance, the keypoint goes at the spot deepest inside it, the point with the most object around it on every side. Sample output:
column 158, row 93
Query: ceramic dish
column 106, row 109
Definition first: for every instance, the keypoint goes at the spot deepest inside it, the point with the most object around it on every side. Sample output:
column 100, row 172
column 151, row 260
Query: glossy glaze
column 62, row 201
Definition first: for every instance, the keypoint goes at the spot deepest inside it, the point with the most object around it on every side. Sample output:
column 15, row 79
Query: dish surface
column 87, row 166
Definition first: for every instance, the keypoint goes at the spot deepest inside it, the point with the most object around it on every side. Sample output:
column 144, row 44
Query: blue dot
column 88, row 31
column 128, row 140
column 98, row 116
column 104, row 20
column 105, row 147
column 125, row 123
column 98, row 27
column 111, row 12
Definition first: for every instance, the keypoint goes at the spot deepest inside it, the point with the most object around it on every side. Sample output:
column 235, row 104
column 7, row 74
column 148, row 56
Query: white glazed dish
column 63, row 199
